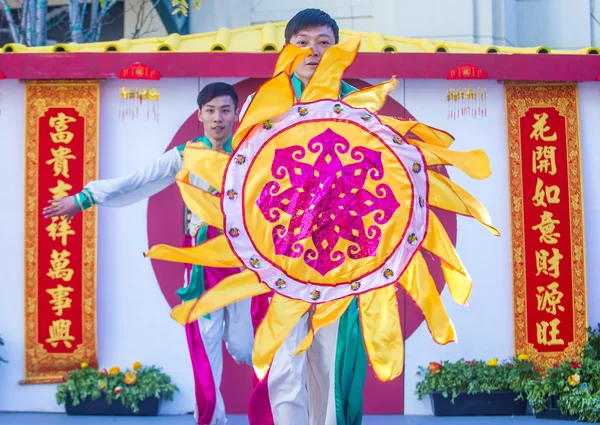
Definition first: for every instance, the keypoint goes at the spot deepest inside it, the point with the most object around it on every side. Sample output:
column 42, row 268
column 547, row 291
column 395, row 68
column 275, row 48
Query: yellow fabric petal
column 438, row 243
column 475, row 164
column 205, row 205
column 289, row 58
column 447, row 195
column 429, row 135
column 382, row 332
column 419, row 284
column 325, row 314
column 282, row 316
column 208, row 164
column 371, row 98
column 230, row 290
column 213, row 253
column 325, row 82
column 272, row 99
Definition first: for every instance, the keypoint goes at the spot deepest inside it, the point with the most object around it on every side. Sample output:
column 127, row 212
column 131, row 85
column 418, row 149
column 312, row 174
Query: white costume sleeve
column 245, row 107
column 139, row 185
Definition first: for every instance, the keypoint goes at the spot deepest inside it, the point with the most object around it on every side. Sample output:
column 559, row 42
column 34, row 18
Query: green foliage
column 576, row 385
column 592, row 348
column 474, row 377
column 128, row 387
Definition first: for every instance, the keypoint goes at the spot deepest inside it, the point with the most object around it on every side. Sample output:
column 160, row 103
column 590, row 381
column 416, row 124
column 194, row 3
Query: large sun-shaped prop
column 324, row 201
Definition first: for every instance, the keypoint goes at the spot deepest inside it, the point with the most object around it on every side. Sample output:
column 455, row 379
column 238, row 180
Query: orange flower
column 524, row 357
column 114, row 370
column 130, row 378
column 574, row 380
column 435, row 367
column 137, row 366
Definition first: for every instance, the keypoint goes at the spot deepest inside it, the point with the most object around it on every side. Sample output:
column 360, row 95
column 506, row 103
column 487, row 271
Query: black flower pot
column 148, row 407
column 553, row 411
column 496, row 403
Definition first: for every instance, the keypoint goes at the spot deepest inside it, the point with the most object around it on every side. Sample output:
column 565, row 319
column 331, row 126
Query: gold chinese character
column 60, row 331
column 549, row 298
column 546, row 227
column 540, row 128
column 61, row 190
column 59, row 263
column 60, row 159
column 60, row 298
column 547, row 193
column 60, row 229
column 548, row 266
column 60, row 124
column 544, row 160
column 543, row 332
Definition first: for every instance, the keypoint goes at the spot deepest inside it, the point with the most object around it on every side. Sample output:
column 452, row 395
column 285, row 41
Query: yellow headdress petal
column 382, row 331
column 438, row 243
column 205, row 205
column 262, row 107
column 208, row 164
column 371, row 98
column 474, row 163
column 230, row 290
column 289, row 58
column 419, row 284
column 325, row 82
column 324, row 315
column 447, row 195
column 282, row 316
column 428, row 134
column 213, row 253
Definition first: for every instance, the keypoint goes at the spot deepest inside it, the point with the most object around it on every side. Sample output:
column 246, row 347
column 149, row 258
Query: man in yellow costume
column 326, row 206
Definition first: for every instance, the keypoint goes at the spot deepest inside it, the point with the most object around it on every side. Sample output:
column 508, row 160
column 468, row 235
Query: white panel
column 589, row 111
column 485, row 327
column 132, row 315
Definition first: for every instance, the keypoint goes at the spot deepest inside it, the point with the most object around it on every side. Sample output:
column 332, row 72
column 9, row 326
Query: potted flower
column 88, row 391
column 570, row 390
column 473, row 387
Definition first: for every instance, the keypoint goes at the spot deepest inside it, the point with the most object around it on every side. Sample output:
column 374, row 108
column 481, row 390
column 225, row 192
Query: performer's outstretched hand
column 59, row 207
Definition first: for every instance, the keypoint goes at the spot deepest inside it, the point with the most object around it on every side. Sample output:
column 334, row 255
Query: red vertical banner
column 547, row 221
column 61, row 146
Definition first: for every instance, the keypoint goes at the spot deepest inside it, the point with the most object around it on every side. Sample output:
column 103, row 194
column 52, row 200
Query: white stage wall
column 132, row 314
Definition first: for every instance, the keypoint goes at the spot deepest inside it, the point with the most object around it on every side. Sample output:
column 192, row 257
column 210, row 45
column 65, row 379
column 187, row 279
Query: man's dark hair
column 210, row 91
column 310, row 18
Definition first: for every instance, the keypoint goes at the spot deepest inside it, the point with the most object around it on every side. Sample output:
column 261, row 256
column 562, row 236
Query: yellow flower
column 137, row 366
column 524, row 357
column 114, row 370
column 130, row 378
column 493, row 362
column 84, row 365
column 574, row 380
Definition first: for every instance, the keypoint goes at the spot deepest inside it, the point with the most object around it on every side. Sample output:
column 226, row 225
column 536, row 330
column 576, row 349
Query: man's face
column 319, row 39
column 218, row 117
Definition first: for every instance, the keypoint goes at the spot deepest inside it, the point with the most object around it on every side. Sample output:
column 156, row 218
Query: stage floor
column 60, row 419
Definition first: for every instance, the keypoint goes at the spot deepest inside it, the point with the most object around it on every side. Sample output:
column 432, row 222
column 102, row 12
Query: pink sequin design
column 327, row 201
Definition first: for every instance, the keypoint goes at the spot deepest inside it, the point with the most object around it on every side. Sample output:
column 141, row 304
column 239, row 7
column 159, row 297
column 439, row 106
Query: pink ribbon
column 259, row 406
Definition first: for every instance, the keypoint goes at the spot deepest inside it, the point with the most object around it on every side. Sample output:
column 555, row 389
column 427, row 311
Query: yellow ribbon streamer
column 382, row 332
column 230, row 290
